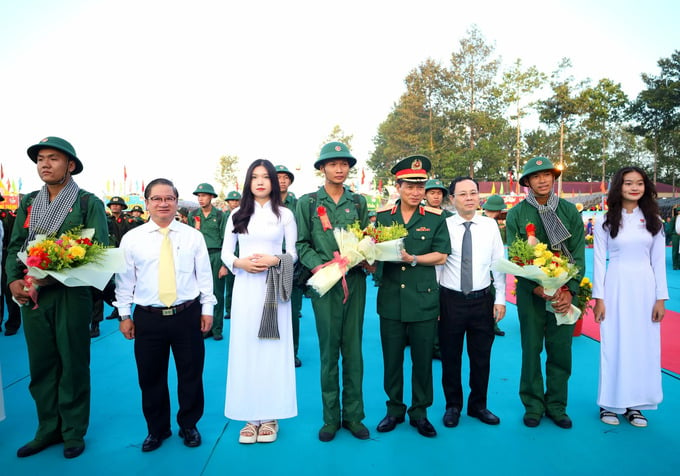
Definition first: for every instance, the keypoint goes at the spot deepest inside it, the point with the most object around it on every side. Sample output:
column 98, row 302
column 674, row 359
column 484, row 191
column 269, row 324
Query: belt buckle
column 168, row 312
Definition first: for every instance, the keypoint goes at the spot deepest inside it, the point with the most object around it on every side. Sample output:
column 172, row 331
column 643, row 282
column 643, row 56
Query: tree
column 226, row 174
column 517, row 86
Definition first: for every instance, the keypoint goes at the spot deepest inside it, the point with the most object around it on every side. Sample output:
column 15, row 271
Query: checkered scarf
column 47, row 217
column 279, row 286
column 554, row 228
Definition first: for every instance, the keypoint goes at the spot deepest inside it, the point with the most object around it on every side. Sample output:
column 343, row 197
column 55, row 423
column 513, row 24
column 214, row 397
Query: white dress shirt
column 487, row 247
column 139, row 283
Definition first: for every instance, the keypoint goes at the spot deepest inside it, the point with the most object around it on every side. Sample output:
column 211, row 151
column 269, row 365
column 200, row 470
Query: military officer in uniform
column 233, row 201
column 558, row 224
column 408, row 296
column 339, row 316
column 286, row 178
column 212, row 222
column 136, row 213
column 8, row 217
column 57, row 335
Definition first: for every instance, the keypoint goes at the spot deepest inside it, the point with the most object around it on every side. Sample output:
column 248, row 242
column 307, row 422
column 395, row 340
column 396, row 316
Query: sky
column 164, row 88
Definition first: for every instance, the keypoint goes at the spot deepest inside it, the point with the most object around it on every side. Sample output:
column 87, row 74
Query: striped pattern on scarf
column 47, row 217
column 279, row 286
column 554, row 228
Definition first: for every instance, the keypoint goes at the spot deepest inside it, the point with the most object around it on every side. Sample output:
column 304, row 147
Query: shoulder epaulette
column 386, row 208
column 436, row 211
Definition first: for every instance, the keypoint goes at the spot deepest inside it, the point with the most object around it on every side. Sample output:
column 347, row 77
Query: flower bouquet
column 380, row 242
column 72, row 259
column 537, row 263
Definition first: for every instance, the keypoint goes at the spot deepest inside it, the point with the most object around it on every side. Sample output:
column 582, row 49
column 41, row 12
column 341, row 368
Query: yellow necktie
column 167, row 288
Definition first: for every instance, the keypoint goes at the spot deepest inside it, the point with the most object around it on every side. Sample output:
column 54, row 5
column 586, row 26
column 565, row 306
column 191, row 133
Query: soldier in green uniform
column 212, row 222
column 559, row 225
column 675, row 239
column 136, row 215
column 339, row 316
column 408, row 296
column 286, row 178
column 493, row 207
column 8, row 217
column 57, row 334
column 233, row 201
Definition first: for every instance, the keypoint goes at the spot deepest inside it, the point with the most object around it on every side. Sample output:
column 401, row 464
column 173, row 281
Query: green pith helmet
column 537, row 164
column 412, row 169
column 205, row 188
column 184, row 211
column 332, row 151
column 117, row 201
column 137, row 208
column 434, row 184
column 494, row 203
column 58, row 144
column 233, row 195
column 282, row 169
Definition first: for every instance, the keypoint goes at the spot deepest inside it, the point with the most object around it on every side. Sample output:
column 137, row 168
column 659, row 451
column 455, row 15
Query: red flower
column 321, row 210
column 530, row 229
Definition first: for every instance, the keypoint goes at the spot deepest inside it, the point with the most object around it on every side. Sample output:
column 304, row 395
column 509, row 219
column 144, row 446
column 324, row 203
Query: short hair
column 159, row 181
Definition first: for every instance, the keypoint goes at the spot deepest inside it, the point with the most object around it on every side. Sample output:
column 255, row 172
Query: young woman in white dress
column 260, row 371
column 629, row 290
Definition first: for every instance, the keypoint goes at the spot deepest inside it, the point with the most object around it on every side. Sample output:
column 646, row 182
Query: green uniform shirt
column 523, row 213
column 212, row 227
column 315, row 245
column 94, row 217
column 411, row 293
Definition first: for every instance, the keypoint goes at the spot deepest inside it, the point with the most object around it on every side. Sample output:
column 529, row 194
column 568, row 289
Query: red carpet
column 670, row 331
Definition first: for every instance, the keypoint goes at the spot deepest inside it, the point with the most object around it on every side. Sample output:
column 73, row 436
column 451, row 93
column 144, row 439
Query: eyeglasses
column 467, row 194
column 158, row 200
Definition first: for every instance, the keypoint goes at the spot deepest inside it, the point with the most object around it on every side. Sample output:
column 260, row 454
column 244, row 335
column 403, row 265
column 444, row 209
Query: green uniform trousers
column 296, row 308
column 229, row 288
column 675, row 241
column 340, row 330
column 218, row 291
column 420, row 335
column 536, row 326
column 58, row 341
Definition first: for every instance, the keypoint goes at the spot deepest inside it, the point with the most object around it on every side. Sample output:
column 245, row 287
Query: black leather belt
column 470, row 295
column 167, row 311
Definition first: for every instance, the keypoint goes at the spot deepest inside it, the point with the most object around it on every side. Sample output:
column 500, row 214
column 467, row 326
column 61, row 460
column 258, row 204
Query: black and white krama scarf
column 279, row 287
column 554, row 228
column 47, row 217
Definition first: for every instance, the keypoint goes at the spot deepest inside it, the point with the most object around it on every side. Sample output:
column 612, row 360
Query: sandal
column 248, row 434
column 635, row 418
column 610, row 418
column 268, row 432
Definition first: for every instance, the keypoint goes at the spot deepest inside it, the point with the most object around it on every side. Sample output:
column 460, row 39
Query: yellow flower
column 559, row 270
column 77, row 252
column 539, row 249
column 539, row 262
column 585, row 281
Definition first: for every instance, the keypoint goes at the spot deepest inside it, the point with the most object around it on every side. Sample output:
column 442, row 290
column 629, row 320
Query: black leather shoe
column 451, row 417
column 389, row 423
column 424, row 427
column 563, row 421
column 10, row 332
column 74, row 451
column 218, row 337
column 298, row 362
column 485, row 416
column 531, row 422
column 499, row 332
column 153, row 442
column 34, row 447
column 192, row 438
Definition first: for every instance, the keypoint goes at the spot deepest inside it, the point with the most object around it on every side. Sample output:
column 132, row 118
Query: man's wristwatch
column 123, row 318
column 415, row 261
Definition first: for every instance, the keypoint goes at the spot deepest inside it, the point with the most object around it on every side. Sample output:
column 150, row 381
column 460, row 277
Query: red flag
column 2, row 172
column 143, row 186
column 237, row 185
column 363, row 175
column 124, row 172
column 380, row 186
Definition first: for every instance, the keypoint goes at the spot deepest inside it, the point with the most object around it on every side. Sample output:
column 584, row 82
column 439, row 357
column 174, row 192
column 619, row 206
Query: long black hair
column 247, row 207
column 647, row 203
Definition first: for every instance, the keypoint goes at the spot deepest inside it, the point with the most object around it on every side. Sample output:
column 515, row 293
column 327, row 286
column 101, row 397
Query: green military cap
column 205, row 188
column 332, row 151
column 372, row 213
column 412, row 169
column 494, row 203
column 117, row 201
column 184, row 211
column 434, row 184
column 537, row 164
column 137, row 208
column 233, row 195
column 282, row 169
column 59, row 144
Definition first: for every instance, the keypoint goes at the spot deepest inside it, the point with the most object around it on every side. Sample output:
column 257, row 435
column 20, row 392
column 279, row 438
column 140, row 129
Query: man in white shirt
column 468, row 308
column 162, row 322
